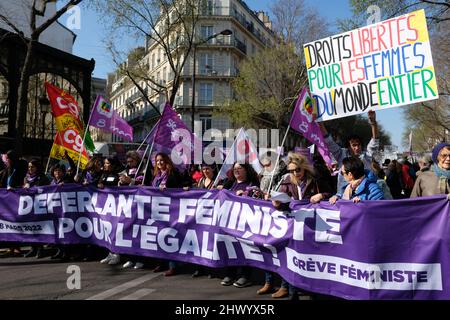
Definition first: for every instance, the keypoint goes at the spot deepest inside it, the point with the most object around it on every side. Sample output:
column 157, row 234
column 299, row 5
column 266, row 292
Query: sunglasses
column 297, row 170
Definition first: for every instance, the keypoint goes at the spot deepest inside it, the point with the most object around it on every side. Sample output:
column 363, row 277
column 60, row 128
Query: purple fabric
column 371, row 250
column 173, row 137
column 160, row 179
column 31, row 178
column 104, row 117
column 302, row 121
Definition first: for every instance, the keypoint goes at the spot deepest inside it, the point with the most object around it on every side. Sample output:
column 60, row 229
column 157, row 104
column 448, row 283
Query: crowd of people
column 356, row 176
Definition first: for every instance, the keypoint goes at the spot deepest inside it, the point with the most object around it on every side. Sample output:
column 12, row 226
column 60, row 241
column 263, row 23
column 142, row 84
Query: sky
column 90, row 43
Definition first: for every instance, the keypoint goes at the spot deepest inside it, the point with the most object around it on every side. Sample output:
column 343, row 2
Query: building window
column 206, row 63
column 207, row 7
column 206, row 93
column 206, row 120
column 207, row 31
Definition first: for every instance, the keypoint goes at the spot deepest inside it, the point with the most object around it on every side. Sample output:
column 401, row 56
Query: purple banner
column 370, row 250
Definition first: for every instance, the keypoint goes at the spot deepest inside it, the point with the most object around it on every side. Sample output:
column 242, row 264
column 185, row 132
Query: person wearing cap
column 437, row 179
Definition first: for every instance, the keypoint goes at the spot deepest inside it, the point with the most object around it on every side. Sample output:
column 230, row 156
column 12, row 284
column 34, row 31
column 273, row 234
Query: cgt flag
column 71, row 141
column 67, row 113
column 303, row 122
column 105, row 118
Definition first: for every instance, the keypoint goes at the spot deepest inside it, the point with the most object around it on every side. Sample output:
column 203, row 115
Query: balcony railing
column 249, row 26
column 135, row 96
column 215, row 11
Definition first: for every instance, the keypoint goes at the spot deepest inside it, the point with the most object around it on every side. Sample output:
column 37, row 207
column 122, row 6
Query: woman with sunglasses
column 300, row 183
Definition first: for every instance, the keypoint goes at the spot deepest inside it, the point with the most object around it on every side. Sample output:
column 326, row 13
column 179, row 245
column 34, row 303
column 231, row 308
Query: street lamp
column 225, row 32
column 45, row 108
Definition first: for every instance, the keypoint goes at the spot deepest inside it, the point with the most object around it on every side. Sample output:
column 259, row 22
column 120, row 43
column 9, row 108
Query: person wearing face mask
column 437, row 179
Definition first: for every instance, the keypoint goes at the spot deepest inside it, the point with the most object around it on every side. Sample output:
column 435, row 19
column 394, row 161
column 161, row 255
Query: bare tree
column 296, row 23
column 170, row 25
column 36, row 9
column 436, row 11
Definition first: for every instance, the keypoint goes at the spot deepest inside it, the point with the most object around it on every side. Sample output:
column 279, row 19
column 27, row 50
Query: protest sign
column 380, row 66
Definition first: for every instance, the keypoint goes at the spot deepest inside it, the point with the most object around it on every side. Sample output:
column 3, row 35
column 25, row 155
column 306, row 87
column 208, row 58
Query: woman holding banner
column 205, row 182
column 243, row 182
column 132, row 175
column 166, row 176
column 35, row 177
column 300, row 184
column 11, row 177
column 110, row 178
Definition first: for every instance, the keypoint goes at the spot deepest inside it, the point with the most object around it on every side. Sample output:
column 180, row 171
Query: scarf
column 90, row 177
column 160, row 179
column 351, row 187
column 444, row 179
column 31, row 179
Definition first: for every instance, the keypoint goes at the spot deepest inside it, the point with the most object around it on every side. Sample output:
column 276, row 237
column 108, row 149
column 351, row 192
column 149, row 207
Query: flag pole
column 146, row 137
column 148, row 161
column 151, row 149
column 226, row 158
column 278, row 159
column 48, row 161
column 84, row 136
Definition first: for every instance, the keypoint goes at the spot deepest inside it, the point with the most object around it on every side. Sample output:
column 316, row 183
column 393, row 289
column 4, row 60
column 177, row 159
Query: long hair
column 116, row 165
column 252, row 176
column 168, row 162
column 38, row 164
column 92, row 163
column 301, row 162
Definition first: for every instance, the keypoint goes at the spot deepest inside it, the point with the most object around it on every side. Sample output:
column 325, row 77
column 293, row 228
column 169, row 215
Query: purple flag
column 173, row 137
column 105, row 118
column 303, row 122
column 387, row 249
